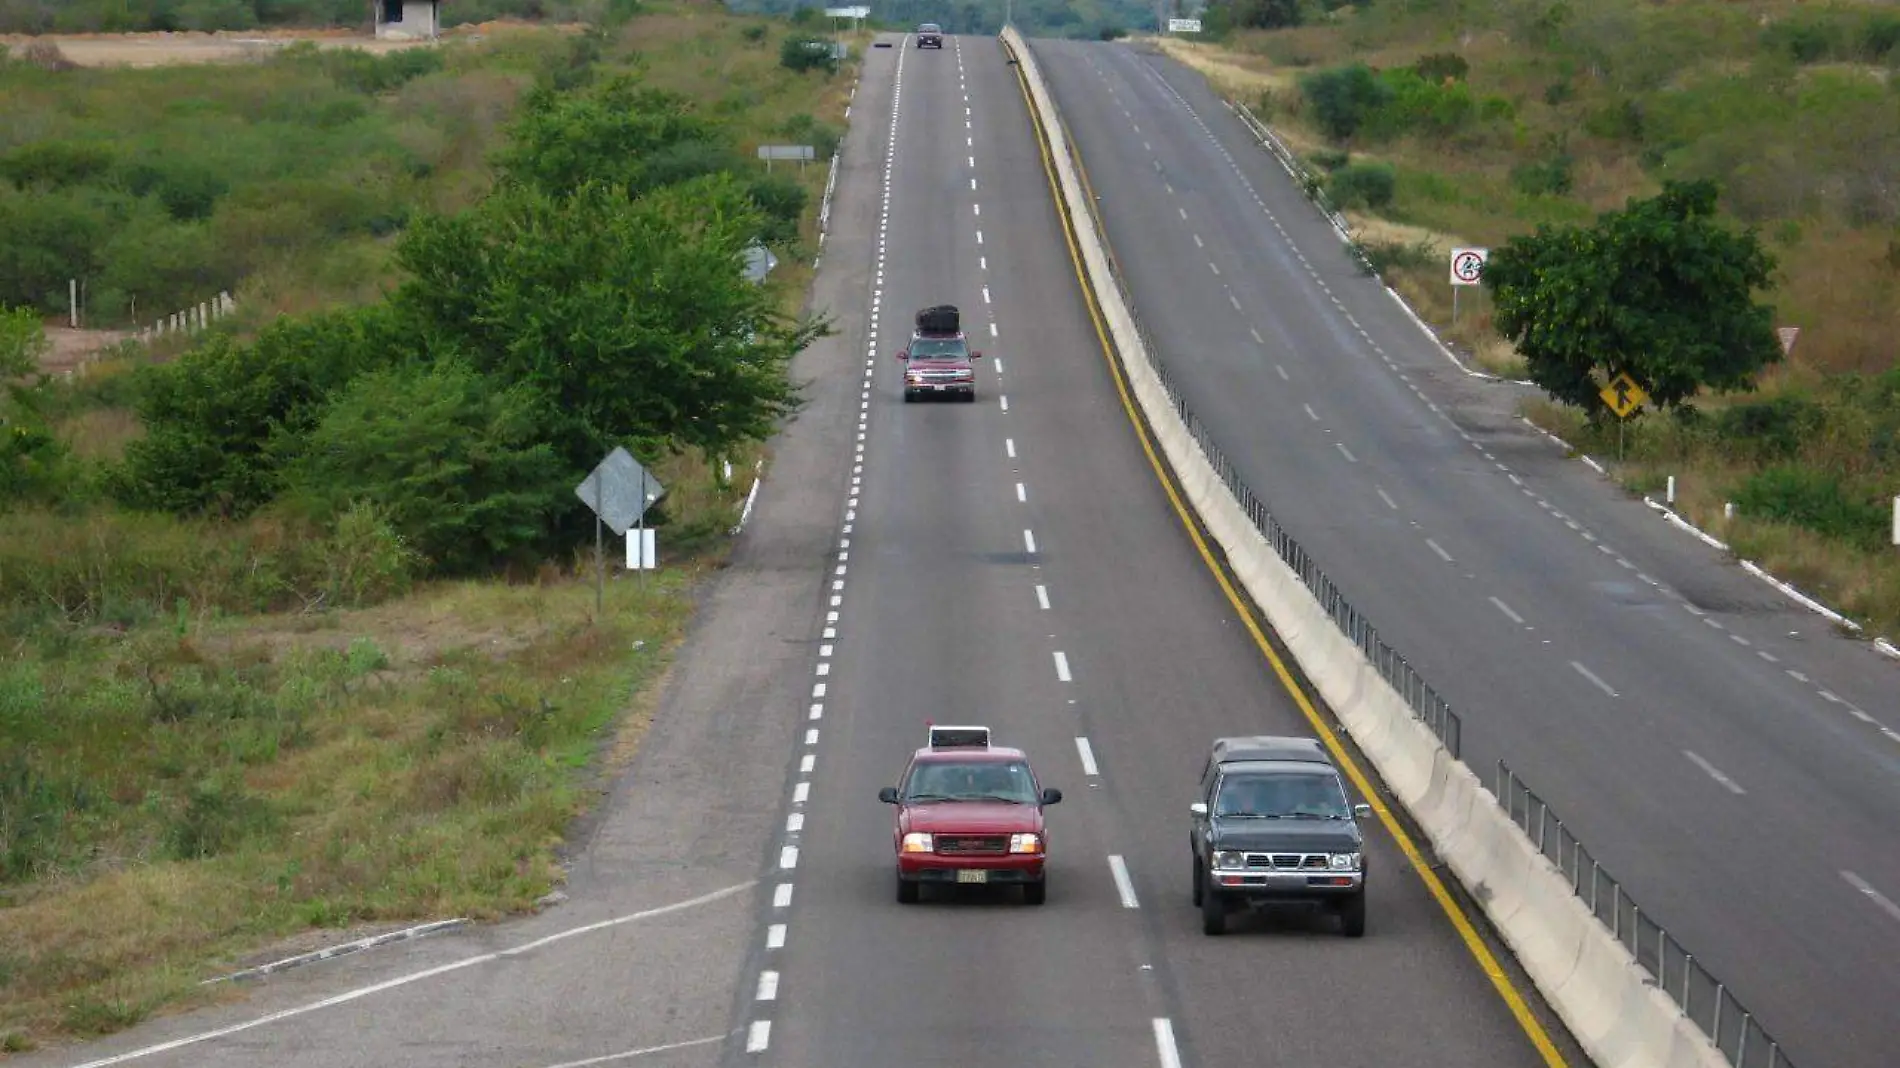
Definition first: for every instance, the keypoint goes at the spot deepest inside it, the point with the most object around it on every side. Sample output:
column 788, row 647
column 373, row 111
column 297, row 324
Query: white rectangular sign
column 1184, row 25
column 642, row 551
column 1467, row 265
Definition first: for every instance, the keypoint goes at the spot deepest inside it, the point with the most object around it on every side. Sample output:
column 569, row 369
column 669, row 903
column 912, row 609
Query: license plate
column 938, row 387
column 973, row 875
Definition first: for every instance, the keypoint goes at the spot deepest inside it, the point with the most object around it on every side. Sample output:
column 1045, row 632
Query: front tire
column 1352, row 916
column 1200, row 882
column 907, row 891
column 1037, row 892
column 1213, row 914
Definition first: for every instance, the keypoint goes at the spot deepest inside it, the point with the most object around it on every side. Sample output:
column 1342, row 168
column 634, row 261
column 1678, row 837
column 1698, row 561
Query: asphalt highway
column 1719, row 751
column 1015, row 562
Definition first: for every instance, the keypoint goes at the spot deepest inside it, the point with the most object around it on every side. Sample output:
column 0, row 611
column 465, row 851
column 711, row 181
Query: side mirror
column 904, row 355
column 1198, row 808
column 976, row 355
column 888, row 795
column 1360, row 812
column 1051, row 796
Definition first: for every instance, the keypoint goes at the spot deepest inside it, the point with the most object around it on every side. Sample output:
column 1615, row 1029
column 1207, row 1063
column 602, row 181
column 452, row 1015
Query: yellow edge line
column 1473, row 942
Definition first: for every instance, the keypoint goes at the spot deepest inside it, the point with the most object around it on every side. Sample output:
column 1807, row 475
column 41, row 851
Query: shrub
column 1879, row 37
column 1550, row 176
column 1802, row 40
column 753, row 34
column 1816, row 500
column 1362, row 185
column 1441, row 67
column 803, row 52
column 1770, row 430
column 1342, row 99
column 456, row 467
column 782, row 200
column 56, row 164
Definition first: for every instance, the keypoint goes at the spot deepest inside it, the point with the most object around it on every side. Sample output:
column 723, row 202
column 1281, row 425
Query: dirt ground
column 164, row 49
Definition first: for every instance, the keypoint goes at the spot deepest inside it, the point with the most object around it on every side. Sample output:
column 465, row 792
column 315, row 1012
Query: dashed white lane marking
column 982, row 263
column 1124, row 886
column 768, row 987
column 1002, row 399
column 1183, row 212
column 1062, row 667
column 1344, row 451
column 1212, row 266
column 807, row 762
column 1881, row 900
column 1042, row 597
column 1592, row 676
column 1235, row 301
column 1284, row 377
column 775, row 936
column 1387, row 498
column 986, row 294
column 992, row 329
column 758, row 1036
column 1009, row 446
column 642, row 1052
column 1029, row 541
column 979, row 237
column 1508, row 613
column 1198, row 243
column 998, row 361
column 1714, row 772
column 788, row 857
column 1310, row 413
column 1088, row 757
column 1439, row 549
column 415, row 977
column 782, row 896
column 1164, row 1044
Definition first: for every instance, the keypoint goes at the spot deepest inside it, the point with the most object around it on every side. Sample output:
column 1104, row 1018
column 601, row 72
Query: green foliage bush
column 1818, row 500
column 803, row 52
column 1354, row 100
column 1341, row 99
column 618, row 132
column 458, row 468
column 1362, row 185
column 214, row 418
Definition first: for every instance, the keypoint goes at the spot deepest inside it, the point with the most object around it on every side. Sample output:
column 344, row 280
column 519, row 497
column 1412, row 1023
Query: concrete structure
column 408, row 20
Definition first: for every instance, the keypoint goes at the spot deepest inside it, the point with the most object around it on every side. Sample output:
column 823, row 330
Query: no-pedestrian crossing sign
column 1467, row 265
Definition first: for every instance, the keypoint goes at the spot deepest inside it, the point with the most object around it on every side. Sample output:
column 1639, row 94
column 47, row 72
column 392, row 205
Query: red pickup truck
column 969, row 814
column 939, row 357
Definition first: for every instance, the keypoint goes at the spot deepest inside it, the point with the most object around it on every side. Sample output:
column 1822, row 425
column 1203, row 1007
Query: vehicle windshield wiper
column 929, row 797
column 1248, row 816
column 1000, row 797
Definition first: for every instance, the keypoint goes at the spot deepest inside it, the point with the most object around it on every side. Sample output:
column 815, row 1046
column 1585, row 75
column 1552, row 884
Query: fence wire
column 1703, row 998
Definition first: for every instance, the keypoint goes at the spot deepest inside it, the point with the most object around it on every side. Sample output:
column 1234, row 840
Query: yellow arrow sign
column 1623, row 395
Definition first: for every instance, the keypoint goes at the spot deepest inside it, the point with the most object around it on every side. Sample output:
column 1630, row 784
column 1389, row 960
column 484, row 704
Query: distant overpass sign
column 1184, row 25
column 848, row 12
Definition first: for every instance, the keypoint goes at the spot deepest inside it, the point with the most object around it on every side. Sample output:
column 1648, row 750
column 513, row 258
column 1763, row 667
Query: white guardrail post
column 1603, row 994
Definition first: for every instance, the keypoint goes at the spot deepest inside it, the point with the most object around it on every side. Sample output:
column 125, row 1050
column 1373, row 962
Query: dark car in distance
column 1271, row 825
column 930, row 35
column 969, row 814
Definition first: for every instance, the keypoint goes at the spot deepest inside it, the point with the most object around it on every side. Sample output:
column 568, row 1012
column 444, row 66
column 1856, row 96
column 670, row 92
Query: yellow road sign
column 1623, row 395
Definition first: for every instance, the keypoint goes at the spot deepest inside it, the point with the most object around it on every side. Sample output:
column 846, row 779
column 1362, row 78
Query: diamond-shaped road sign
column 614, row 490
column 1623, row 395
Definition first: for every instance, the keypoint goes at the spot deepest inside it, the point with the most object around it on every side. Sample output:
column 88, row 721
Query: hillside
column 1539, row 112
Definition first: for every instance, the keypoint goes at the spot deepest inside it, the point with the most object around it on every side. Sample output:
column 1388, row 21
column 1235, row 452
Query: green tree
column 630, row 318
column 22, row 342
column 455, row 465
column 617, row 132
column 31, row 455
column 1344, row 98
column 214, row 419
column 1660, row 290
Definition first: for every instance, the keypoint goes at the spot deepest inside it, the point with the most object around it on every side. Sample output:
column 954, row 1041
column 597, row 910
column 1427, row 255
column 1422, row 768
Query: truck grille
column 1288, row 861
column 969, row 844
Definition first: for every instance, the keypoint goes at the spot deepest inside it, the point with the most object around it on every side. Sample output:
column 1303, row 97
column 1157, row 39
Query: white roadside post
column 1672, row 489
column 1896, row 519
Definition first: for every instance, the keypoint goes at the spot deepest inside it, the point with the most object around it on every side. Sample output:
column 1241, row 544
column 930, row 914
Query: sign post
column 802, row 153
column 1787, row 334
column 619, row 491
column 1467, row 269
column 1184, row 25
column 1623, row 397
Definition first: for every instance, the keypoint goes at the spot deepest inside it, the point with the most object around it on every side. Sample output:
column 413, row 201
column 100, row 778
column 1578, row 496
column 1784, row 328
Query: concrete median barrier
column 1599, row 989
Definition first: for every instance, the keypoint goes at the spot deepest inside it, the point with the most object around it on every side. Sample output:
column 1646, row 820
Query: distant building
column 408, row 20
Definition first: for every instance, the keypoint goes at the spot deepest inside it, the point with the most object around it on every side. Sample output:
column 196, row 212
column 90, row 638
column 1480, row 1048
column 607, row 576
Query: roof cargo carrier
column 942, row 319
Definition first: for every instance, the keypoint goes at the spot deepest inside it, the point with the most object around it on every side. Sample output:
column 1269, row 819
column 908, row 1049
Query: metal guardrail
column 1704, row 998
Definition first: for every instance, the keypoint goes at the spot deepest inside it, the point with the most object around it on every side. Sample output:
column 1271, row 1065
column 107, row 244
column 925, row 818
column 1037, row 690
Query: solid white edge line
column 1124, row 886
column 413, row 977
column 632, row 1053
column 1714, row 772
column 1885, row 903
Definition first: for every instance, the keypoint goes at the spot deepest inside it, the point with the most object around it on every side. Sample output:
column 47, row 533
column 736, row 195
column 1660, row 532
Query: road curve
column 1015, row 562
column 1724, row 757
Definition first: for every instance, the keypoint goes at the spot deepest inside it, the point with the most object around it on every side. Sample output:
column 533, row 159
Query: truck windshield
column 946, row 349
column 1285, row 796
column 989, row 780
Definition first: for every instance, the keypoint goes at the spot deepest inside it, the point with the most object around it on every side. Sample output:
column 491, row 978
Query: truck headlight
column 1230, row 860
column 917, row 842
column 1025, row 843
column 1345, row 861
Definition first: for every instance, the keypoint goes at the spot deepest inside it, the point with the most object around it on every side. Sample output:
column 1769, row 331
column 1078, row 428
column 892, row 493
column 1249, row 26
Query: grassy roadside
column 1526, row 122
column 228, row 741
